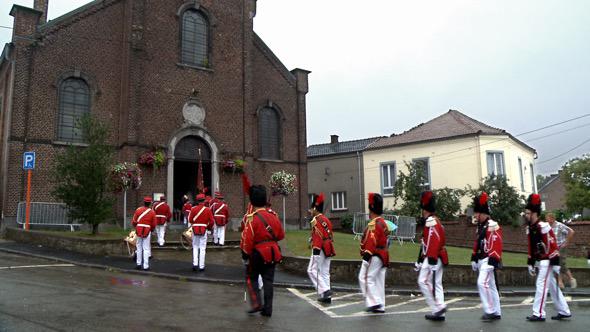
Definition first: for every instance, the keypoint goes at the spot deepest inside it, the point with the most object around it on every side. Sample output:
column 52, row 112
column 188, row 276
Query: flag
column 200, row 181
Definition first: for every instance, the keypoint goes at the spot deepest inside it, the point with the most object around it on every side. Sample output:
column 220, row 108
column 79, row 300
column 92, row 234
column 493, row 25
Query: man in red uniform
column 431, row 258
column 144, row 221
column 260, row 250
column 375, row 257
column 186, row 208
column 486, row 257
column 220, row 211
column 322, row 245
column 201, row 220
column 544, row 255
column 163, row 216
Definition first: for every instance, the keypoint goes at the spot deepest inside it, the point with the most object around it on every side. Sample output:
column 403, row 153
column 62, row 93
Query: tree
column 576, row 177
column 81, row 175
column 408, row 188
column 505, row 202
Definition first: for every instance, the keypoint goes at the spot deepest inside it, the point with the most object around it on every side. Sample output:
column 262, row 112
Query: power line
column 555, row 124
column 5, row 27
column 563, row 154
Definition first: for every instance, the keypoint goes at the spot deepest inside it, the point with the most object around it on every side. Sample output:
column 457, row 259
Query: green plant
column 505, row 202
column 448, row 203
column 576, row 177
column 81, row 175
column 346, row 222
column 408, row 188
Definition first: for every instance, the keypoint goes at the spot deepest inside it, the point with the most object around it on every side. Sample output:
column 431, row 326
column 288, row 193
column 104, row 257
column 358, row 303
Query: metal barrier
column 406, row 229
column 406, row 226
column 46, row 214
column 360, row 221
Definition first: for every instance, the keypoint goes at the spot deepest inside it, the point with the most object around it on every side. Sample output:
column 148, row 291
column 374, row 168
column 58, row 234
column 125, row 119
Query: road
column 41, row 295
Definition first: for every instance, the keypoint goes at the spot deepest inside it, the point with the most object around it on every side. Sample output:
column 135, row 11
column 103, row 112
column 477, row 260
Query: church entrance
column 186, row 164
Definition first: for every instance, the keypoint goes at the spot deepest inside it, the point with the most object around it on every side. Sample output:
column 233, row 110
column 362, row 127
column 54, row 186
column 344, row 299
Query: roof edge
column 269, row 54
column 422, row 142
column 29, row 9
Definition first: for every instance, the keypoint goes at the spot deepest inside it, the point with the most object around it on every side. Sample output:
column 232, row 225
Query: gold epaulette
column 371, row 225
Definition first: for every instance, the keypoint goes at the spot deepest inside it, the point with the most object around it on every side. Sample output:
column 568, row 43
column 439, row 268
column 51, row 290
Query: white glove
column 474, row 266
column 245, row 262
column 556, row 269
column 417, row 266
column 589, row 262
column 532, row 271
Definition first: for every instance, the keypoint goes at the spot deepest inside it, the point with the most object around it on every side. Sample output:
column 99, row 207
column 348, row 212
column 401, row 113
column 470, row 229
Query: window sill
column 387, row 195
column 270, row 160
column 70, row 143
column 183, row 65
column 339, row 210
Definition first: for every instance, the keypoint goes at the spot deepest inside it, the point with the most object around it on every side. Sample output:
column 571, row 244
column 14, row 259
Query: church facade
column 185, row 78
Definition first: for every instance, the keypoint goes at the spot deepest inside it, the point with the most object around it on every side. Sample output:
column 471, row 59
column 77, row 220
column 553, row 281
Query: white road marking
column 528, row 300
column 346, row 296
column 354, row 303
column 313, row 303
column 403, row 303
column 34, row 266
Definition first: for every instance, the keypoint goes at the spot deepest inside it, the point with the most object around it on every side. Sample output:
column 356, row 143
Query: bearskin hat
column 480, row 203
column 318, row 202
column 258, row 195
column 376, row 203
column 427, row 201
column 533, row 203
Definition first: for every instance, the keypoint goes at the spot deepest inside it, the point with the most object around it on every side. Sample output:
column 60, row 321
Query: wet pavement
column 44, row 295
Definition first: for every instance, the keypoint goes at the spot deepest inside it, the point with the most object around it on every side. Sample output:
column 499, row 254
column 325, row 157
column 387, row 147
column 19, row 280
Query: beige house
column 456, row 151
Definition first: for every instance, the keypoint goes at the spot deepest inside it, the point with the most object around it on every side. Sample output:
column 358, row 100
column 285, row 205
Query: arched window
column 74, row 102
column 269, row 133
column 195, row 33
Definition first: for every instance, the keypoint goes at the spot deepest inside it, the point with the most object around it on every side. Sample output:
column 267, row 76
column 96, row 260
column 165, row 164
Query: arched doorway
column 183, row 156
column 186, row 164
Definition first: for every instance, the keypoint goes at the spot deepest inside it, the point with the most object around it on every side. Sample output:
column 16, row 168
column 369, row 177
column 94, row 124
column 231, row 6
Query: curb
column 169, row 276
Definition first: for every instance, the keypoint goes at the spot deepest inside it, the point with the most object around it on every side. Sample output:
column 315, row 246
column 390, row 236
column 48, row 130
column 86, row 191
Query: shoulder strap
column 326, row 228
column 198, row 214
column 143, row 214
column 221, row 207
column 267, row 226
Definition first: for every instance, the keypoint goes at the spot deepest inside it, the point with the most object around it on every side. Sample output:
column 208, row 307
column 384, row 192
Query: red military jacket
column 488, row 245
column 374, row 240
column 433, row 241
column 163, row 213
column 186, row 208
column 262, row 231
column 144, row 221
column 201, row 219
column 322, row 236
column 542, row 243
column 220, row 212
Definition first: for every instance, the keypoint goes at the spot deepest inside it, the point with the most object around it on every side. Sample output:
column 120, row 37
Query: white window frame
column 339, row 201
column 521, row 171
column 533, row 179
column 495, row 155
column 392, row 177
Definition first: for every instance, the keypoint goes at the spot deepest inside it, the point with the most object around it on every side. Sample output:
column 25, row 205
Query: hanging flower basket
column 233, row 166
column 283, row 183
column 154, row 158
column 125, row 176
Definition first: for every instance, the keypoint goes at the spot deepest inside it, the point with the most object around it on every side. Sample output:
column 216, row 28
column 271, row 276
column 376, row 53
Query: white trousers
column 143, row 251
column 486, row 285
column 161, row 231
column 199, row 247
column 433, row 293
column 219, row 234
column 319, row 272
column 546, row 282
column 372, row 282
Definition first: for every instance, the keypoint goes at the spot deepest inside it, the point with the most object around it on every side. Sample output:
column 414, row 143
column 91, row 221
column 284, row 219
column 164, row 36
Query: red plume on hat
column 534, row 203
column 480, row 203
column 427, row 201
column 536, row 199
column 426, row 197
column 483, row 199
column 371, row 199
column 246, row 184
column 320, row 199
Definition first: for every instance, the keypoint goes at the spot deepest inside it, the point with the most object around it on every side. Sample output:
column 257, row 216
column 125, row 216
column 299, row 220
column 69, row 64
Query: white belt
column 144, row 225
column 200, row 225
column 160, row 216
column 220, row 215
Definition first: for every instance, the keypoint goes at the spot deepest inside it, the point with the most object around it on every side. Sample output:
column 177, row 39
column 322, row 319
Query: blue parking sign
column 29, row 160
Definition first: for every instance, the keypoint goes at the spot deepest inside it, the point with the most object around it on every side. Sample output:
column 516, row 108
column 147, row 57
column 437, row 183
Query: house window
column 423, row 166
column 74, row 103
column 311, row 196
column 521, row 174
column 387, row 178
column 195, row 44
column 495, row 163
column 532, row 178
column 339, row 201
column 269, row 134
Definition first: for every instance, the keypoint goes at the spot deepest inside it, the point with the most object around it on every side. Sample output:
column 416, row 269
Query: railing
column 406, row 226
column 46, row 214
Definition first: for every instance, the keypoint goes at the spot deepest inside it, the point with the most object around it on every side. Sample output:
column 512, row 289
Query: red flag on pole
column 200, row 181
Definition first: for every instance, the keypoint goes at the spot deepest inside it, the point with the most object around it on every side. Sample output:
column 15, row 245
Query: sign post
column 29, row 166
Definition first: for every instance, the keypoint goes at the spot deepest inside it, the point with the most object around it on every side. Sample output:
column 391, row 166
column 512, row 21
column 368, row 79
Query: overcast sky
column 388, row 65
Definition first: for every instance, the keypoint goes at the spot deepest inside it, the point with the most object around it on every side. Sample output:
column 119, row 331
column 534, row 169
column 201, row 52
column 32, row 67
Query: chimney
column 334, row 139
column 42, row 6
column 25, row 22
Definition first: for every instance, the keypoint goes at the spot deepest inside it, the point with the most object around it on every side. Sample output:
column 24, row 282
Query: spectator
column 564, row 235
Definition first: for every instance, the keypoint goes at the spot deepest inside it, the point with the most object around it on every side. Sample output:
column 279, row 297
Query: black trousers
column 267, row 271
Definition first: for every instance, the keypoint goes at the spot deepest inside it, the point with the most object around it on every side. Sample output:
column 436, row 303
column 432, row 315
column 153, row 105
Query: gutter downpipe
column 361, row 206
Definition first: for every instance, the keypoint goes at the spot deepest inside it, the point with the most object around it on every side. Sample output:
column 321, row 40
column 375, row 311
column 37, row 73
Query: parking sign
column 29, row 160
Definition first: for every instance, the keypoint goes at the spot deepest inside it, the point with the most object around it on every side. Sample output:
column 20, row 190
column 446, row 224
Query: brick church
column 177, row 76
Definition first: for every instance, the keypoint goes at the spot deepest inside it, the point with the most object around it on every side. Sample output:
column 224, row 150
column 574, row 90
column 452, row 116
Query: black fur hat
column 258, row 195
column 427, row 201
column 376, row 203
column 533, row 203
column 318, row 202
column 480, row 203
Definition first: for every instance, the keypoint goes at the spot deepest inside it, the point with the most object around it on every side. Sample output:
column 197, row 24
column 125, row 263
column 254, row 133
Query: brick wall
column 462, row 234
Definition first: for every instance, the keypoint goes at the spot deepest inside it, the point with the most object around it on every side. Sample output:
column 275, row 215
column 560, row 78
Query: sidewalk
column 225, row 274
